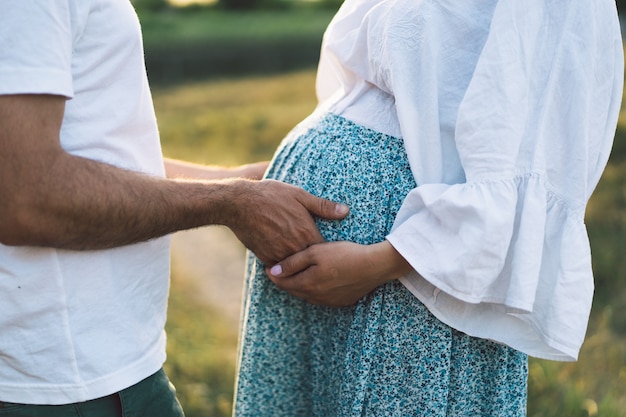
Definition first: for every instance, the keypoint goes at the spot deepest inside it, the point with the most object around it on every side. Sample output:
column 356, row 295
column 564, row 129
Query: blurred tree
column 239, row 4
column 279, row 4
column 150, row 5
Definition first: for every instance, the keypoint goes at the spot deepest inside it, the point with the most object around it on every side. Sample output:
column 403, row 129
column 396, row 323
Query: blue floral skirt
column 385, row 356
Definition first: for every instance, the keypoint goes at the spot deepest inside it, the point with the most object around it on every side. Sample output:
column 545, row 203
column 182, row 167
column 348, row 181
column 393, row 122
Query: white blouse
column 508, row 110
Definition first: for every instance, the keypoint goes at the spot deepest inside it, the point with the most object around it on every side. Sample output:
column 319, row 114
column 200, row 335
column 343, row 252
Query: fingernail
column 276, row 270
column 341, row 208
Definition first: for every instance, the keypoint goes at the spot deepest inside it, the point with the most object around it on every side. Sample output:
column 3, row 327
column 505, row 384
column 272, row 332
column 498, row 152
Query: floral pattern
column 385, row 356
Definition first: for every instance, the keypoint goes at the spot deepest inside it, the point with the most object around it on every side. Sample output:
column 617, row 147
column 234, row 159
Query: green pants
column 152, row 397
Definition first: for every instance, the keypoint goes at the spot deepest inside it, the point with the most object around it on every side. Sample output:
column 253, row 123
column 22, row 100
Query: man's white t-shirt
column 75, row 326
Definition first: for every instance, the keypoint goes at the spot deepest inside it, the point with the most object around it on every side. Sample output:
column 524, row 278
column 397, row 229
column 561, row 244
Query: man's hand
column 275, row 220
column 338, row 273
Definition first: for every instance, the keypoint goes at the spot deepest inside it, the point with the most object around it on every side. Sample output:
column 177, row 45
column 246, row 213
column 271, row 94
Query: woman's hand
column 338, row 273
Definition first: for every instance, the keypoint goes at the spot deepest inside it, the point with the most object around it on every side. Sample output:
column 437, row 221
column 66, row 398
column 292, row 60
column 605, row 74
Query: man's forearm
column 83, row 204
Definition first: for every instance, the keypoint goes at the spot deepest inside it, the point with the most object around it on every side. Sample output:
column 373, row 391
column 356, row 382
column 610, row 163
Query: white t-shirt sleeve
column 533, row 132
column 37, row 60
column 111, row 335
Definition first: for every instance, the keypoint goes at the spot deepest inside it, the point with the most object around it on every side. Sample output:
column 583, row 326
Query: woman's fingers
column 292, row 265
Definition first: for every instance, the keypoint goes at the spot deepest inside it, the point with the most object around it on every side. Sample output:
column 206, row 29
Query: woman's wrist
column 386, row 262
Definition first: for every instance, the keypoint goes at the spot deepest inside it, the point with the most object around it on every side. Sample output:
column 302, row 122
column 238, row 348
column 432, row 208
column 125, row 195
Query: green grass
column 201, row 352
column 232, row 121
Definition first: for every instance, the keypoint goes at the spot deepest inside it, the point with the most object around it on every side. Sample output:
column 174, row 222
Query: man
column 84, row 208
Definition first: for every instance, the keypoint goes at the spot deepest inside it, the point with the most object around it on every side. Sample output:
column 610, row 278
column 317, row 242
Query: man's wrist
column 229, row 199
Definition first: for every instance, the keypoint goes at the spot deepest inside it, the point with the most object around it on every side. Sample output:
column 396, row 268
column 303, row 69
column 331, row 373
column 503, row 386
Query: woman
column 467, row 138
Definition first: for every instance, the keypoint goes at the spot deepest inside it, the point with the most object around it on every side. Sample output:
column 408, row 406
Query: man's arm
column 52, row 198
column 186, row 170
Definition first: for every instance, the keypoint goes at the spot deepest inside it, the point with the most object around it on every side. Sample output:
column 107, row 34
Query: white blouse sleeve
column 507, row 143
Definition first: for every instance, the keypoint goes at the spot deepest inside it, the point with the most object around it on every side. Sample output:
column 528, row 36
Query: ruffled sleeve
column 507, row 147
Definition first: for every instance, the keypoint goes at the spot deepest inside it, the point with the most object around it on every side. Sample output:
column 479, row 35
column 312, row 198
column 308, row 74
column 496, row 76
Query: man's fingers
column 325, row 208
column 279, row 221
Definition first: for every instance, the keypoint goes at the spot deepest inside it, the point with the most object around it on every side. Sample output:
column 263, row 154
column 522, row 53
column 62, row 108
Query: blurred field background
column 229, row 81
